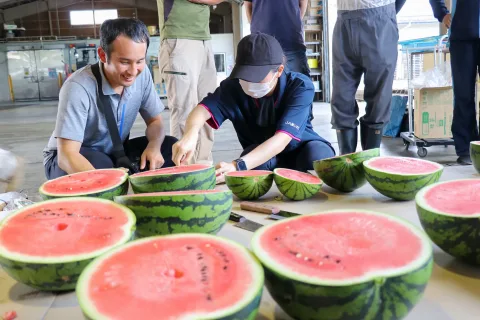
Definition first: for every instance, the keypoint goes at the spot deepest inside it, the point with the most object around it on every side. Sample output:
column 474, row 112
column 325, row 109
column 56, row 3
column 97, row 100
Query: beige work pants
column 194, row 77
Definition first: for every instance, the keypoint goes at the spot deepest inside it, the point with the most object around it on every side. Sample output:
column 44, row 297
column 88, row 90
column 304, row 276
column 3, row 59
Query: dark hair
column 129, row 27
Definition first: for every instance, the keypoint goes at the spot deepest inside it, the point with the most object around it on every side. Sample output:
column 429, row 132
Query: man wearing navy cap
column 270, row 110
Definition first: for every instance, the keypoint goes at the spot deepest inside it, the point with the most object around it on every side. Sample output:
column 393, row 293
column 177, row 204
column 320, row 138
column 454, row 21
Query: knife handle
column 257, row 207
column 236, row 217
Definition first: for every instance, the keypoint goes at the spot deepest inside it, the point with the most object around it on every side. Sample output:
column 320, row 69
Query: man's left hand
column 222, row 168
column 154, row 156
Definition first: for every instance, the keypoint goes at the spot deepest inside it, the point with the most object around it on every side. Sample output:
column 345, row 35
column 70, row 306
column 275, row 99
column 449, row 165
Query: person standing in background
column 365, row 42
column 282, row 19
column 464, row 25
column 187, row 65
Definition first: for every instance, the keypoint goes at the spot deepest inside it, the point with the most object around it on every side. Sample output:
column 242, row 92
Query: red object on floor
column 10, row 315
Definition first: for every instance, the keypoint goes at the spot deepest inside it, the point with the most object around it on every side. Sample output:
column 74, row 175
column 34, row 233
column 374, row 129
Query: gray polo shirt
column 79, row 119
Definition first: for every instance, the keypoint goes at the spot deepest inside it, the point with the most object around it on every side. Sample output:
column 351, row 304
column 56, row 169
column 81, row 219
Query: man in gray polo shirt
column 81, row 140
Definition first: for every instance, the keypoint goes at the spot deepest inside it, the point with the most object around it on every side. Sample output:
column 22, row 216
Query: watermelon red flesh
column 184, row 277
column 298, row 176
column 81, row 229
column 458, row 198
column 172, row 170
column 398, row 165
column 249, row 173
column 341, row 247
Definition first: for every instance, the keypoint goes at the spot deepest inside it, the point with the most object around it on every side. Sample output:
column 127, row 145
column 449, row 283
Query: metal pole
column 94, row 25
column 50, row 22
column 58, row 19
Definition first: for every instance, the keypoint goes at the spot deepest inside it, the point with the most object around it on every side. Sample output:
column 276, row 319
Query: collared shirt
column 293, row 111
column 349, row 5
column 79, row 118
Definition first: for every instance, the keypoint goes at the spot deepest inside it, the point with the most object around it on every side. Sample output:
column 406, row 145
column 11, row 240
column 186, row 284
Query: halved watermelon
column 344, row 173
column 249, row 184
column 184, row 276
column 296, row 185
column 48, row 244
column 344, row 265
column 161, row 213
column 400, row 178
column 100, row 183
column 186, row 177
column 475, row 154
column 449, row 213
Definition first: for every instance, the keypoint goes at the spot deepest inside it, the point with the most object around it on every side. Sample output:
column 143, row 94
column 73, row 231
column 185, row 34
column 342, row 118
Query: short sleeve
column 72, row 115
column 151, row 105
column 220, row 103
column 297, row 110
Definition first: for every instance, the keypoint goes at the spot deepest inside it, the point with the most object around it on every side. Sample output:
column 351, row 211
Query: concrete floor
column 25, row 129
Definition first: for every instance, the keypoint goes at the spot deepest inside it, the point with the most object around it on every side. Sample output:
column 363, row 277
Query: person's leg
column 297, row 62
column 137, row 146
column 268, row 165
column 379, row 38
column 464, row 59
column 345, row 80
column 310, row 152
column 98, row 160
column 180, row 66
column 207, row 83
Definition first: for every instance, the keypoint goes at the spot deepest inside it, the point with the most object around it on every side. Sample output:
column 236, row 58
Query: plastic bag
column 439, row 76
column 13, row 201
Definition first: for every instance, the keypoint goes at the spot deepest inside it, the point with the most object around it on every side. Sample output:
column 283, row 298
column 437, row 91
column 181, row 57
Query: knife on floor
column 244, row 223
column 274, row 212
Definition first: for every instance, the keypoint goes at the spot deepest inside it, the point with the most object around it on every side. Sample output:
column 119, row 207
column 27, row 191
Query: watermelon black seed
column 209, row 298
column 189, row 248
column 292, row 252
column 295, row 234
column 225, row 267
column 327, row 257
column 276, row 239
column 338, row 261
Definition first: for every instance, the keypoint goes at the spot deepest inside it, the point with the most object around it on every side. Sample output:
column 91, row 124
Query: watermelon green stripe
column 400, row 187
column 386, row 299
column 293, row 189
column 194, row 213
column 344, row 173
column 249, row 312
column 203, row 179
column 475, row 154
column 249, row 187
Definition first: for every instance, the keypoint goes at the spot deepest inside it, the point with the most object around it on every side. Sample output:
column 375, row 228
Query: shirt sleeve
column 151, row 106
column 219, row 104
column 297, row 110
column 73, row 106
column 439, row 9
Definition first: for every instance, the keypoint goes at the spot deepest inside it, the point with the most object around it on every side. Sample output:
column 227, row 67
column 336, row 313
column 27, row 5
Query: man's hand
column 447, row 20
column 222, row 168
column 183, row 149
column 153, row 155
column 207, row 2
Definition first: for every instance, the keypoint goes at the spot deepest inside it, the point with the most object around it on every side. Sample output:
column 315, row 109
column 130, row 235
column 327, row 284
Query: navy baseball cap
column 257, row 54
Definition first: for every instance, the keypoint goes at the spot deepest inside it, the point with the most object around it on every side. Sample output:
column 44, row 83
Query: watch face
column 241, row 165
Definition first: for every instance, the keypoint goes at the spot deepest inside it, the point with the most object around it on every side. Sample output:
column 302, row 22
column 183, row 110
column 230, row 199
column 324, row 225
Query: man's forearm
column 73, row 163
column 303, row 8
column 155, row 134
column 196, row 120
column 266, row 150
column 248, row 10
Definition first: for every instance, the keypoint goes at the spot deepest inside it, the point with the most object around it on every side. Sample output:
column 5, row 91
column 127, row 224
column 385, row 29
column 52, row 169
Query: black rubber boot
column 347, row 140
column 370, row 138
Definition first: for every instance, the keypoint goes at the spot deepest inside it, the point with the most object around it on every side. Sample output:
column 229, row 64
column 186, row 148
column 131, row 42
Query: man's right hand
column 447, row 20
column 183, row 150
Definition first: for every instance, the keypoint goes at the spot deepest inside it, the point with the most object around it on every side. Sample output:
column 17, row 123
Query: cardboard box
column 433, row 113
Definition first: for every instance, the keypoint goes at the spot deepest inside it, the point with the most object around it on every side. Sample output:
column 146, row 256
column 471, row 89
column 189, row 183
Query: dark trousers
column 300, row 159
column 297, row 62
column 365, row 42
column 465, row 62
column 99, row 160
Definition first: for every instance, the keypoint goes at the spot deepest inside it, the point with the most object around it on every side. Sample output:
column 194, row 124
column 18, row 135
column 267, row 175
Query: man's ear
column 102, row 55
column 280, row 70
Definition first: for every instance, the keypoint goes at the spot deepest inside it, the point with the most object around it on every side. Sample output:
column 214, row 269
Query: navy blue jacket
column 465, row 18
column 293, row 111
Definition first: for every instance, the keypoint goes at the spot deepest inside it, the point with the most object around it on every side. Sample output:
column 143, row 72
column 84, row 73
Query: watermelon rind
column 345, row 173
column 159, row 214
column 245, row 309
column 401, row 187
column 459, row 236
column 475, row 154
column 55, row 273
column 390, row 294
column 250, row 187
column 119, row 189
column 200, row 179
column 294, row 189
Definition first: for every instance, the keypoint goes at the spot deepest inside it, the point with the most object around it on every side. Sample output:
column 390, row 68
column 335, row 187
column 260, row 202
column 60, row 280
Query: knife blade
column 275, row 213
column 244, row 223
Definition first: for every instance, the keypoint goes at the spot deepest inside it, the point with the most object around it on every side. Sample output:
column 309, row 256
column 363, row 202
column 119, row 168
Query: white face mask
column 257, row 90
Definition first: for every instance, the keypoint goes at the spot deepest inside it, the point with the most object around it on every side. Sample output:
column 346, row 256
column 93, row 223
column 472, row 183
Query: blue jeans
column 300, row 159
column 297, row 62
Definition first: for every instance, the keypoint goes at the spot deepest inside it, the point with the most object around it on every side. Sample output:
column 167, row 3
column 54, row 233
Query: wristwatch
column 240, row 164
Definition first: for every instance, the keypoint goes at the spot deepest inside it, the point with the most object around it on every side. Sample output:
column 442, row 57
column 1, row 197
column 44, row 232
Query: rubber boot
column 370, row 138
column 347, row 140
